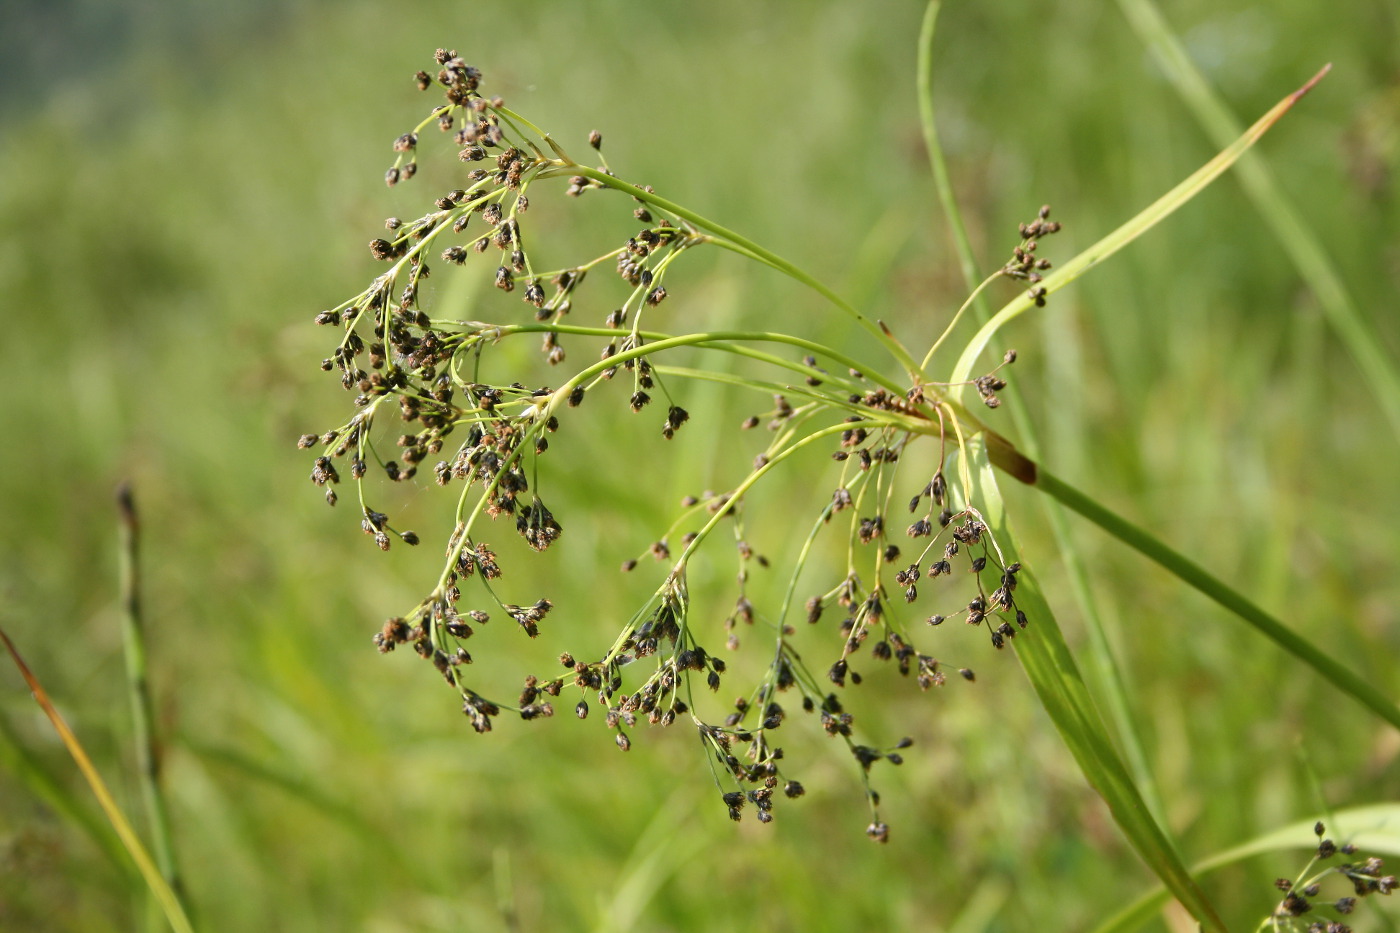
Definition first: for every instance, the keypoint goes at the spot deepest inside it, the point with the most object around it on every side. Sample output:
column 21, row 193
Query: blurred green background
column 182, row 187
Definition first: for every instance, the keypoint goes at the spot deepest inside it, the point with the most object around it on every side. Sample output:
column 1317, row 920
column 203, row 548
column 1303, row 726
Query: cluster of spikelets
column 1300, row 908
column 417, row 385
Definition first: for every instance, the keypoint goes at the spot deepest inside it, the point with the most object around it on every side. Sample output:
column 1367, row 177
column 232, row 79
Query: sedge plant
column 909, row 508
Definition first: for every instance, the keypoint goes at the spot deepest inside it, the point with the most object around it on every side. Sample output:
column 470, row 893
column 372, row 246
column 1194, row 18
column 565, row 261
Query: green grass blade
column 1372, row 829
column 139, row 691
column 967, row 263
column 1200, row 579
column 1296, row 237
column 664, row 846
column 1052, row 671
column 164, row 894
column 1104, row 663
column 1134, row 228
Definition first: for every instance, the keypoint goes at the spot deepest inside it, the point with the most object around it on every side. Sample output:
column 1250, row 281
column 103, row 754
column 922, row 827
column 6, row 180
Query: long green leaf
column 1372, row 829
column 164, row 894
column 1338, row 674
column 1293, row 234
column 1052, row 671
column 1144, row 221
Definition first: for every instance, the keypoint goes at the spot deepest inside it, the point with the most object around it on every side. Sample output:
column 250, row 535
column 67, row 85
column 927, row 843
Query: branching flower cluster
column 1301, row 908
column 422, row 399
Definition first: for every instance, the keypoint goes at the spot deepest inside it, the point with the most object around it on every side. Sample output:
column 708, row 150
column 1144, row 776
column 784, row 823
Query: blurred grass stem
column 139, row 689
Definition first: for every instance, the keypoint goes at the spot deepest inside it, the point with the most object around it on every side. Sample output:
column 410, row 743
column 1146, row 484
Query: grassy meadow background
column 183, row 188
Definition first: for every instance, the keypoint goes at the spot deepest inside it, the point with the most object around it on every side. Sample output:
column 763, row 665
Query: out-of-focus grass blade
column 980, row 909
column 967, row 263
column 1295, row 236
column 1050, row 666
column 169, row 902
column 664, row 846
column 1128, row 232
column 1196, row 576
column 1373, row 829
column 138, row 687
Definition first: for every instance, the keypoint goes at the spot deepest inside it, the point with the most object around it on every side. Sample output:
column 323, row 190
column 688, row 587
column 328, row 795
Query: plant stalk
column 1188, row 571
column 139, row 691
column 875, row 328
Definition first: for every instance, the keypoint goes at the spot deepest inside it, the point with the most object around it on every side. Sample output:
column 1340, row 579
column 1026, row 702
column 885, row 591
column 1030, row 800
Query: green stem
column 684, row 340
column 1199, row 578
column 963, row 243
column 876, row 329
column 771, row 388
column 727, row 343
column 717, row 339
column 139, row 694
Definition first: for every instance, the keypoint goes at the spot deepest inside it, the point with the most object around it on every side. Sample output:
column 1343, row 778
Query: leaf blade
column 1373, row 828
column 1049, row 665
column 1145, row 220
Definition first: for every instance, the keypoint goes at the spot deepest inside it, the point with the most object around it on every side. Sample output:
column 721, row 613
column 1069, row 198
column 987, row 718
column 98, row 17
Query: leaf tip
column 1298, row 94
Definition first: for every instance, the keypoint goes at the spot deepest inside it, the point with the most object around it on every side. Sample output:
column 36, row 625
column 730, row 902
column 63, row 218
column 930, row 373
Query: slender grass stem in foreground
column 138, row 689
